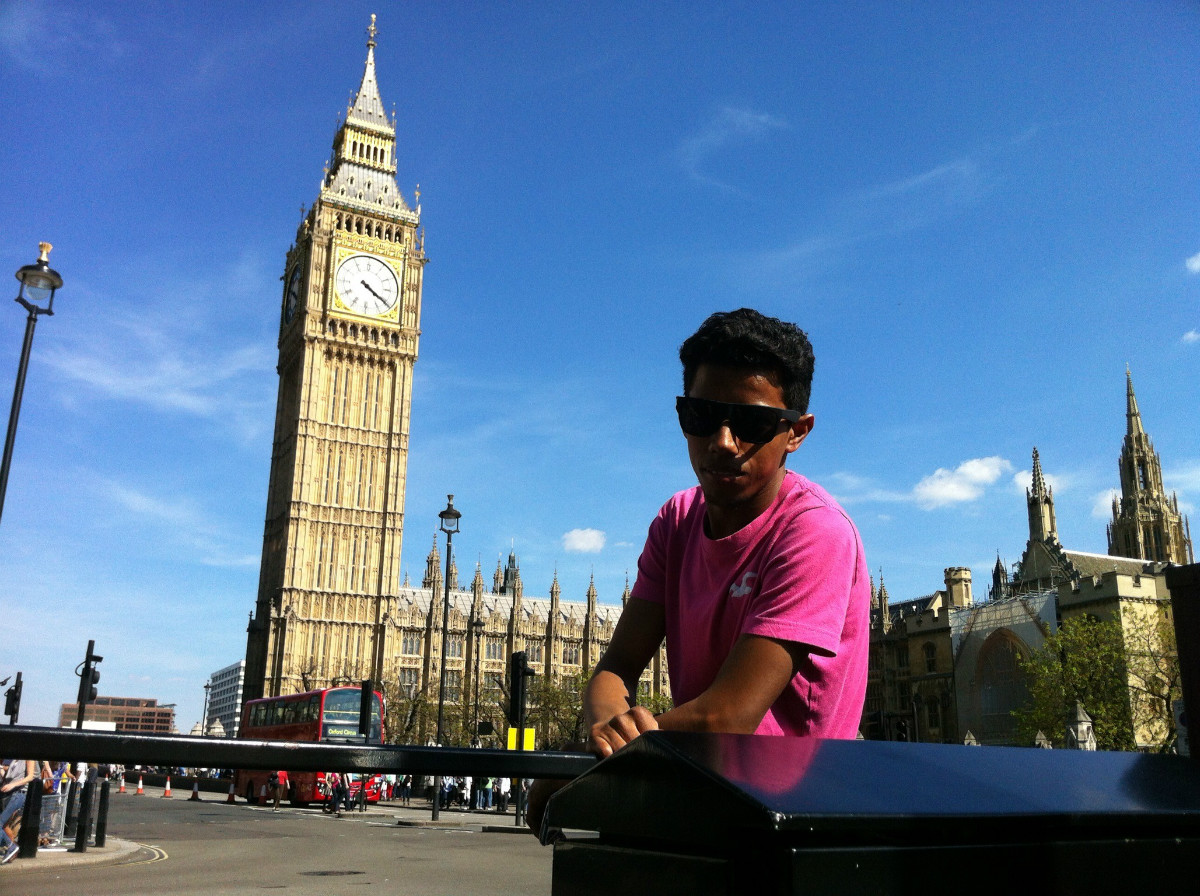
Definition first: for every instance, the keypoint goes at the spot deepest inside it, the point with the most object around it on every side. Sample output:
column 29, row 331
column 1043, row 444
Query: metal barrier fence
column 208, row 752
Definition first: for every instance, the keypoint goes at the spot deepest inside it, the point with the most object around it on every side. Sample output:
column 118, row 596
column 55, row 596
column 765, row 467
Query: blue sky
column 980, row 212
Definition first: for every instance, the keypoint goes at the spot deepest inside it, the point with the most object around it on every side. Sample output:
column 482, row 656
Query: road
column 211, row 847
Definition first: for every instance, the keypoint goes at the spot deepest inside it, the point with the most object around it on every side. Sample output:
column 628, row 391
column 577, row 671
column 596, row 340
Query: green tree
column 656, row 703
column 1154, row 684
column 1083, row 661
column 555, row 709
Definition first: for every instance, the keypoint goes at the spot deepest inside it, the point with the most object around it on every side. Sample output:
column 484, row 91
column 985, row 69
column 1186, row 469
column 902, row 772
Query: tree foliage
column 1085, row 662
column 1154, row 683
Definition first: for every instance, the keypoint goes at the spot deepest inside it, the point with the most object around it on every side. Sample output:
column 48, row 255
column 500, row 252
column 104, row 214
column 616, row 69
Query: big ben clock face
column 291, row 296
column 367, row 285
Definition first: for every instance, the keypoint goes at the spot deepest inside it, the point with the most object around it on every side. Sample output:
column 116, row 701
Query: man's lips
column 722, row 472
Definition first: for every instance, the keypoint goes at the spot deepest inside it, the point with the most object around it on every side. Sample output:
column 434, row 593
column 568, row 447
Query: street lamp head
column 39, row 282
column 450, row 517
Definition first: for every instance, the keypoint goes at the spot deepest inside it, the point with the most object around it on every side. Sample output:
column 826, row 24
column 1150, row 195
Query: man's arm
column 608, row 711
column 748, row 683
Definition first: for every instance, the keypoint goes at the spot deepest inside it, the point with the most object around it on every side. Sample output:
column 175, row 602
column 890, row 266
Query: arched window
column 1002, row 685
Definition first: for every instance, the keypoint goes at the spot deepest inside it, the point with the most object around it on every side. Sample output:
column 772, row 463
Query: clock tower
column 349, row 322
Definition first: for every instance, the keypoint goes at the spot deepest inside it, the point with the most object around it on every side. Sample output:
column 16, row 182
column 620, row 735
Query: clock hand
column 371, row 291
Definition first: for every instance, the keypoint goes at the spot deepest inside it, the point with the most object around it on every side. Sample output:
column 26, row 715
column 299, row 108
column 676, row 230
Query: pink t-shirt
column 796, row 573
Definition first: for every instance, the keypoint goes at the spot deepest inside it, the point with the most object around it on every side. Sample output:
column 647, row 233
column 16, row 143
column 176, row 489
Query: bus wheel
column 250, row 797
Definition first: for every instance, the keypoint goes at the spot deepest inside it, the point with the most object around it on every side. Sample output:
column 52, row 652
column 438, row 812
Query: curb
column 113, row 852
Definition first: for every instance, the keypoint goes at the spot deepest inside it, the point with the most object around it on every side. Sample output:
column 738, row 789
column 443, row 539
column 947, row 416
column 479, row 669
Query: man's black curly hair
column 748, row 340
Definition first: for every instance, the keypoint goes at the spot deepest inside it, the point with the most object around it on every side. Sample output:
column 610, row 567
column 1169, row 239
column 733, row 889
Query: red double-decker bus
column 330, row 714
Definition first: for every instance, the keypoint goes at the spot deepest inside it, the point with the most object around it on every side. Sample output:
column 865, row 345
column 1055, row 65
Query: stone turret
column 958, row 586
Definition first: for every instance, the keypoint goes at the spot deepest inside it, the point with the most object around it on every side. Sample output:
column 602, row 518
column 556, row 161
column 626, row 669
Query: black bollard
column 72, row 811
column 31, row 820
column 102, row 815
column 83, row 830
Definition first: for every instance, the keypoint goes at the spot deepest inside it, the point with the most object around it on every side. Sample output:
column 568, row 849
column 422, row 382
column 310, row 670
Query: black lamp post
column 204, row 724
column 449, row 518
column 39, row 282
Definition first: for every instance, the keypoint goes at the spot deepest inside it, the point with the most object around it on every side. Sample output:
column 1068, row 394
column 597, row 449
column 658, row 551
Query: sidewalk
column 115, row 850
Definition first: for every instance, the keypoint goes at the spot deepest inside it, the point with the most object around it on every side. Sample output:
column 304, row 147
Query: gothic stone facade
column 946, row 668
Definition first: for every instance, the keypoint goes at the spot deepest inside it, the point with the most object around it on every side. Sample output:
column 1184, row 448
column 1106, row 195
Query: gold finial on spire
column 371, row 32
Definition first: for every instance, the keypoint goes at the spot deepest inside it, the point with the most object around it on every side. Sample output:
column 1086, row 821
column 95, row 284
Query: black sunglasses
column 752, row 423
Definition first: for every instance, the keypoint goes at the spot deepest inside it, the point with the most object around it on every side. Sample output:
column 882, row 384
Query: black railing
column 209, row 752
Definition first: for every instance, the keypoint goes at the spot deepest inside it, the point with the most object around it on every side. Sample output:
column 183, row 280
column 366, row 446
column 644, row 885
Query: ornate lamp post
column 449, row 518
column 39, row 282
column 204, row 725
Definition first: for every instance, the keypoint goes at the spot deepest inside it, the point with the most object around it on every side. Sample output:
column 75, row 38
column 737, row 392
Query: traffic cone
column 195, row 797
column 262, row 795
column 140, row 792
column 231, row 797
column 167, row 792
column 122, row 787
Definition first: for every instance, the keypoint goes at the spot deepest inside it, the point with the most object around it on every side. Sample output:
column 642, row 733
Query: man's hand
column 606, row 738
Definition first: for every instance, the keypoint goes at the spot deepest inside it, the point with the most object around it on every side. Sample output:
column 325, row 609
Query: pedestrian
column 406, row 789
column 15, row 782
column 275, row 787
column 489, row 784
column 503, row 786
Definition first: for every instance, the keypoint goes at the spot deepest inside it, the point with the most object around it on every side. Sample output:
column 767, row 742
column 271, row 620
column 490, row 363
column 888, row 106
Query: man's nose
column 723, row 440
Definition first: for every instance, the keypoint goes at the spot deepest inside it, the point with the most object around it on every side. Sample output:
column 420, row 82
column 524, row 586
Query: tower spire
column 1133, row 417
column 1040, row 502
column 1039, row 481
column 1146, row 522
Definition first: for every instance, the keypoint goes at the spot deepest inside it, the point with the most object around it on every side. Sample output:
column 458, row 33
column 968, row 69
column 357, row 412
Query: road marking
column 159, row 855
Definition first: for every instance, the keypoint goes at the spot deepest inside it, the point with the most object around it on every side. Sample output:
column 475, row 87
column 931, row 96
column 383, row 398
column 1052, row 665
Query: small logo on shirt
column 742, row 588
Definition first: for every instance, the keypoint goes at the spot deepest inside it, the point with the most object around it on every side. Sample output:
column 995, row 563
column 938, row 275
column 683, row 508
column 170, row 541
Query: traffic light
column 89, row 677
column 12, row 701
column 518, row 671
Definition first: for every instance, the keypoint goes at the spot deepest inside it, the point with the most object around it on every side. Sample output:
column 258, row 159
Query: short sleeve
column 805, row 591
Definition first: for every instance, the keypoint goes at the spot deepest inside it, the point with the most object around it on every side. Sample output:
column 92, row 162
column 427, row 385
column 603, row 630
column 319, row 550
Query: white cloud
column 1102, row 504
column 583, row 541
column 1193, row 264
column 180, row 520
column 1191, row 336
column 965, row 482
column 729, row 126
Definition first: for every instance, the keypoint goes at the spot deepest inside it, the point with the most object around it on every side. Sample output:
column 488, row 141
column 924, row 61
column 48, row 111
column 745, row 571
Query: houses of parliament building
column 331, row 607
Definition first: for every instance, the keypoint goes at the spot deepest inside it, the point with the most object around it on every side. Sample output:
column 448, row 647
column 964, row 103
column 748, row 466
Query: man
column 756, row 578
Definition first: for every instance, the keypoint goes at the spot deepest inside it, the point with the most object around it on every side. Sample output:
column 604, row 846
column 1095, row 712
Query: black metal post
column 102, row 815
column 477, row 629
column 365, row 704
column 449, row 518
column 31, row 820
column 521, row 795
column 83, row 831
column 72, row 811
column 15, row 413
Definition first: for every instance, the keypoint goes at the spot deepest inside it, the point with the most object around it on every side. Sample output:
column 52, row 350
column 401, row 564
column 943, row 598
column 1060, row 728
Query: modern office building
column 131, row 715
column 225, row 699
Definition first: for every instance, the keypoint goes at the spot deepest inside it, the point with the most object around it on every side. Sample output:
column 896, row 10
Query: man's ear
column 800, row 430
